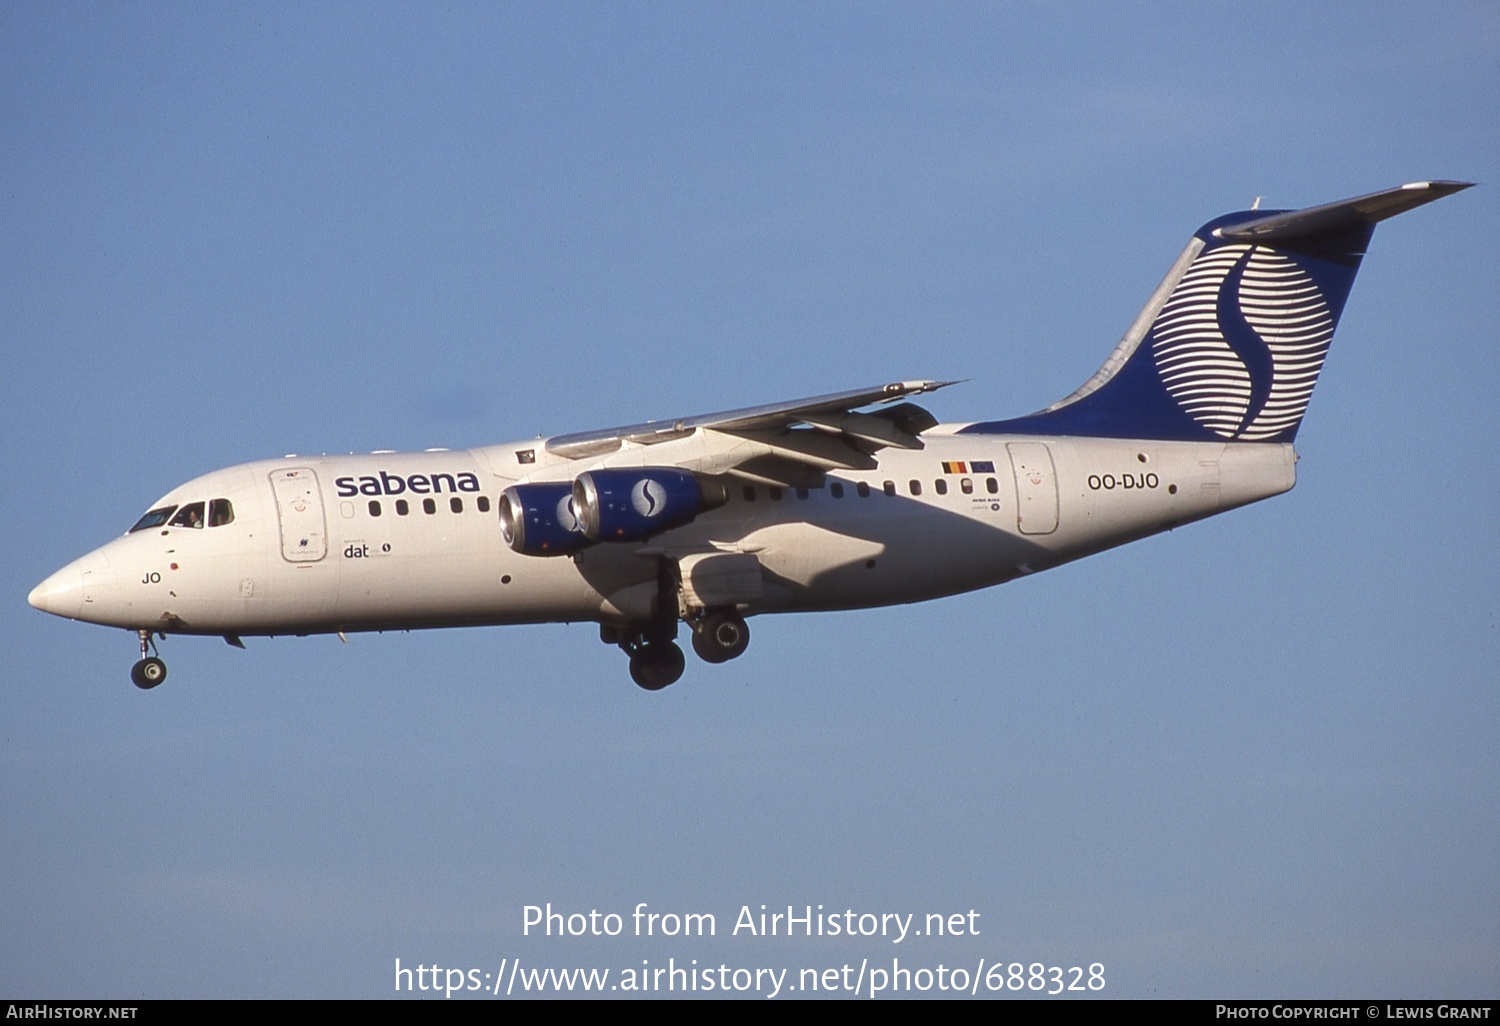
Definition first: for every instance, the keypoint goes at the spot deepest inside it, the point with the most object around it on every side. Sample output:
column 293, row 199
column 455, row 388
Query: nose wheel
column 150, row 671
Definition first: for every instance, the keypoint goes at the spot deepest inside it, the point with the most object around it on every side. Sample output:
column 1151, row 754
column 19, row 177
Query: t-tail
column 1230, row 345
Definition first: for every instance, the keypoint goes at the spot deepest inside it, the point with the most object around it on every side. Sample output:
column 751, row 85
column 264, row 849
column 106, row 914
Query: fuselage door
column 299, row 505
column 1036, row 487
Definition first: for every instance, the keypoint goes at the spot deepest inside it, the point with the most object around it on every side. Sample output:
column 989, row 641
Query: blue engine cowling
column 635, row 503
column 538, row 519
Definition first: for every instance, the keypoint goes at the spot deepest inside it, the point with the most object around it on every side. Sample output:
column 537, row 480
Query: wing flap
column 811, row 447
column 778, row 472
column 856, row 433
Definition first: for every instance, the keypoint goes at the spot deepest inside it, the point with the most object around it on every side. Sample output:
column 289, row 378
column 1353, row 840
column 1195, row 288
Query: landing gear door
column 1036, row 487
column 299, row 506
column 720, row 580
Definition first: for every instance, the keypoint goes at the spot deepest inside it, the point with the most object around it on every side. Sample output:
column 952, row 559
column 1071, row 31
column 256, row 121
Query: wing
column 780, row 443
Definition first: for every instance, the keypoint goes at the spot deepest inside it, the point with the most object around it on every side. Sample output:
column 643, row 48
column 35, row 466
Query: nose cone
column 61, row 594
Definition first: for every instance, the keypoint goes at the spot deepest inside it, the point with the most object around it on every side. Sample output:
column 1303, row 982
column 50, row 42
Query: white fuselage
column 411, row 540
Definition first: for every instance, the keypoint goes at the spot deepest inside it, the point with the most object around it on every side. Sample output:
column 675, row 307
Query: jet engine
column 538, row 519
column 629, row 504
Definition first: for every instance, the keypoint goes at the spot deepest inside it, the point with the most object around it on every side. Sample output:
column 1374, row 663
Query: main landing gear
column 150, row 671
column 655, row 664
column 721, row 636
column 655, row 658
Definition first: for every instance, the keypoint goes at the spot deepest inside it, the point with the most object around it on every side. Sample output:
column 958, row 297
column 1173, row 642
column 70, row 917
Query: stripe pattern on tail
column 1241, row 341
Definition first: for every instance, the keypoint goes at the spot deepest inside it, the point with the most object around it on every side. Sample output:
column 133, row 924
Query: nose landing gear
column 150, row 671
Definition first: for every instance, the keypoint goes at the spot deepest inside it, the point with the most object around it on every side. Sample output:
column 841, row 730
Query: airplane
column 848, row 500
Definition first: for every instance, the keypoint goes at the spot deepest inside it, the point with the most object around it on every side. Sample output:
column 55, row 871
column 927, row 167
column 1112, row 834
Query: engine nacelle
column 538, row 519
column 630, row 504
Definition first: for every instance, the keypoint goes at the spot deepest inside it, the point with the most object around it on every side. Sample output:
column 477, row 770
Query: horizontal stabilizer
column 1331, row 218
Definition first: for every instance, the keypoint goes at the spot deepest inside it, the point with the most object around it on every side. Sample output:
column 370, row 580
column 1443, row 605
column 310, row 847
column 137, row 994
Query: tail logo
column 1241, row 341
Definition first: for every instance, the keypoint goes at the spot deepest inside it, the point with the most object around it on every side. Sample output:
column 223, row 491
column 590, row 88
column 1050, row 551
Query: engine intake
column 538, row 519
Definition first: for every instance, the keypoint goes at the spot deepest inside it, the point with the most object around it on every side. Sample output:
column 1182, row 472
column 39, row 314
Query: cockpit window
column 220, row 512
column 190, row 515
column 155, row 518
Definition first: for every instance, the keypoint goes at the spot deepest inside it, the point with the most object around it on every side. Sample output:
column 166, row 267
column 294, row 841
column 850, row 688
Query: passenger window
column 220, row 512
column 775, row 494
column 991, row 485
column 916, row 487
column 836, row 490
column 429, row 506
column 374, row 508
column 941, row 486
column 889, row 488
column 801, row 493
column 456, row 504
column 190, row 515
column 483, row 503
column 155, row 518
column 749, row 493
column 966, row 486
column 402, row 507
column 863, row 488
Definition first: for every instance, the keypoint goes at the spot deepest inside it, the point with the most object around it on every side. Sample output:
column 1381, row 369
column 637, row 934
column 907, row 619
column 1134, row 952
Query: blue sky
column 1253, row 757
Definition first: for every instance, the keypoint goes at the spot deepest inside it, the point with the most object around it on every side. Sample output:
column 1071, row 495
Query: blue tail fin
column 1231, row 343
